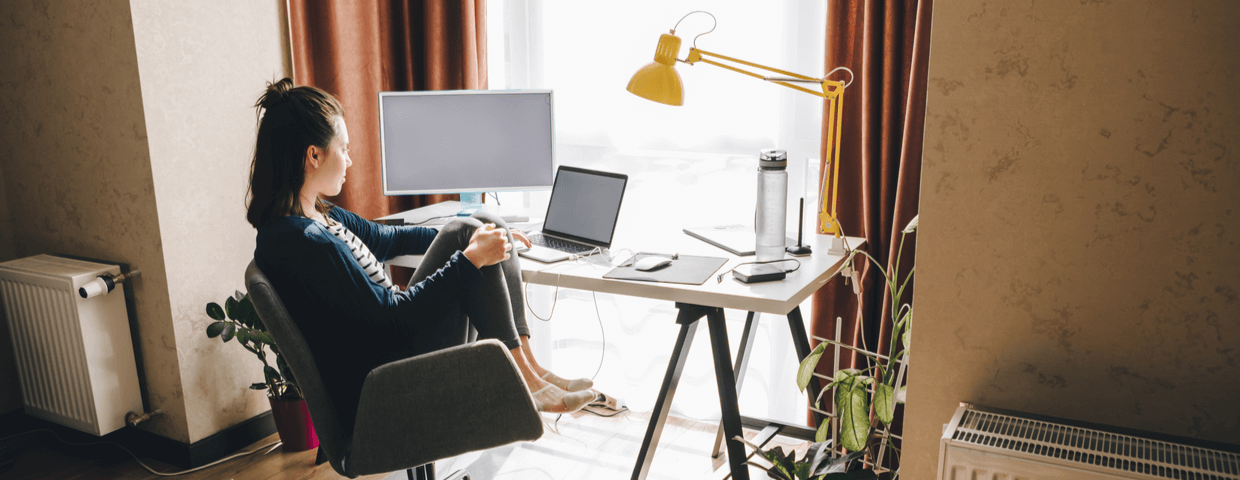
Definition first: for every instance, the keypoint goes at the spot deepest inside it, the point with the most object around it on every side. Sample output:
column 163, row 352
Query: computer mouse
column 652, row 263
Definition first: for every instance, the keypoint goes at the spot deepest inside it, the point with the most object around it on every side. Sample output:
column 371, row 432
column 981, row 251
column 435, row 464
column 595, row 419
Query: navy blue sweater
column 351, row 323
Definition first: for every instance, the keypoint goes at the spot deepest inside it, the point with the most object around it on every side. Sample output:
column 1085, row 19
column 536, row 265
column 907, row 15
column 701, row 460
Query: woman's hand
column 519, row 235
column 488, row 246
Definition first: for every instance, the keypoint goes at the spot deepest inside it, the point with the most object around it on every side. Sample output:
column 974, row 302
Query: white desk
column 695, row 302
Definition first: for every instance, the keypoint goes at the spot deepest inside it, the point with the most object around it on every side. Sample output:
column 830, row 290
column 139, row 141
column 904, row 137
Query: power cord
column 597, row 314
column 269, row 447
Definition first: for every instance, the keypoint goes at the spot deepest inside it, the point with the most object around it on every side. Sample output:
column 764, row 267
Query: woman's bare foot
column 547, row 396
column 552, row 399
column 573, row 385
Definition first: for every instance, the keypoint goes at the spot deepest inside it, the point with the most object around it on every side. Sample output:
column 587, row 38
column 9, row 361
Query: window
column 586, row 52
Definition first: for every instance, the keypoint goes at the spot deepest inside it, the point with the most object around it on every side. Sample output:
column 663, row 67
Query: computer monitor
column 466, row 141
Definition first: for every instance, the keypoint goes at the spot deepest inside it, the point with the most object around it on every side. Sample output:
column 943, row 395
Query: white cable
column 135, row 457
column 602, row 333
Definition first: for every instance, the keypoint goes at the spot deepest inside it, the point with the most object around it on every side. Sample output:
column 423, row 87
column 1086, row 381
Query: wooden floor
column 586, row 447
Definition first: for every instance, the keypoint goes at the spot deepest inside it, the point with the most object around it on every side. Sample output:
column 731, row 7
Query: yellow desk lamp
column 660, row 82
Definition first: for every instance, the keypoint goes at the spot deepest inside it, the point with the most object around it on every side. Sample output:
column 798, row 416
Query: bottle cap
column 773, row 159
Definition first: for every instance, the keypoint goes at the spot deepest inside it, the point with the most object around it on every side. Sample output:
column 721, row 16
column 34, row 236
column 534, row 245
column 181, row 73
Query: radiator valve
column 104, row 284
column 133, row 419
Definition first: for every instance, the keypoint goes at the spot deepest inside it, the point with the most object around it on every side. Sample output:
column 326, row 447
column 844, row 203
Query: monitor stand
column 470, row 204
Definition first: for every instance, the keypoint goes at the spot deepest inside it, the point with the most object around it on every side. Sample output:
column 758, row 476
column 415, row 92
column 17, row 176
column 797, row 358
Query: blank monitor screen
column 466, row 141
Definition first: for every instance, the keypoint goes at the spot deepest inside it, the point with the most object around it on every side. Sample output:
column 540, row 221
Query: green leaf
column 229, row 330
column 214, row 311
column 781, row 462
column 818, row 453
column 243, row 335
column 802, row 471
column 824, row 430
column 806, row 372
column 215, row 329
column 230, row 306
column 837, row 465
column 272, row 374
column 238, row 295
column 853, row 409
column 258, row 386
column 245, row 312
column 284, row 369
column 884, row 403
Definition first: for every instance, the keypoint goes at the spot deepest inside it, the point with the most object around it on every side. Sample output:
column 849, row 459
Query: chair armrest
column 442, row 404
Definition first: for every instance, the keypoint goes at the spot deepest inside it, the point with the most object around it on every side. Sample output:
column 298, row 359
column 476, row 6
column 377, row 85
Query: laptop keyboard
column 558, row 244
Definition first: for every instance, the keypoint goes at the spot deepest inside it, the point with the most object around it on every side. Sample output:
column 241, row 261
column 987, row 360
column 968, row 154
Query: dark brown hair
column 291, row 119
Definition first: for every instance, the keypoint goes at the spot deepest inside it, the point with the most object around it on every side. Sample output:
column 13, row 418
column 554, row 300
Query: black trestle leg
column 726, row 381
column 688, row 320
column 742, row 363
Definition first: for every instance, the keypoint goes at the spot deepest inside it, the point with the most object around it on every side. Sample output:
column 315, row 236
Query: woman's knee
column 489, row 217
column 461, row 228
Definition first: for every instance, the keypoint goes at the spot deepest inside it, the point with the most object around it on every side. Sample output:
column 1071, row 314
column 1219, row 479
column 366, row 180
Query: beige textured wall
column 76, row 167
column 10, row 388
column 202, row 65
column 127, row 135
column 1078, row 254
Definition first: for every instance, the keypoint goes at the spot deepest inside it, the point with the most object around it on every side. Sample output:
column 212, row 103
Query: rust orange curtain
column 886, row 43
column 356, row 49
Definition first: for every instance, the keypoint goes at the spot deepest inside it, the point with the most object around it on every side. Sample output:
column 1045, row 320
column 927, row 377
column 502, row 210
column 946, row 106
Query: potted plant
column 865, row 400
column 237, row 319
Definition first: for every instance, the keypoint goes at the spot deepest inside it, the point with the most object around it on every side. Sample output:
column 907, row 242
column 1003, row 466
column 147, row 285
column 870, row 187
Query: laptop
column 581, row 216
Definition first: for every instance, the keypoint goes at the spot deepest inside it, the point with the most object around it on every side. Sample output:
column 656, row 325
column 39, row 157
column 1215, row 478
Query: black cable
column 272, row 446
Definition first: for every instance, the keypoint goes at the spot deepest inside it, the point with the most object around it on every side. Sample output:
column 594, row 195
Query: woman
column 324, row 262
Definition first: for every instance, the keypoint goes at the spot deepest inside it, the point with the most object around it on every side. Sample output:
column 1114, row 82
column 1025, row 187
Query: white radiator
column 75, row 357
column 983, row 445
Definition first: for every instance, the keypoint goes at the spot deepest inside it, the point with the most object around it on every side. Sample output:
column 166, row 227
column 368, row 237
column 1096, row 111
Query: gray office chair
column 479, row 401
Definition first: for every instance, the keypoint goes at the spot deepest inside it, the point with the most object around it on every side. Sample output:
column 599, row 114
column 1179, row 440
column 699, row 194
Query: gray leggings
column 495, row 308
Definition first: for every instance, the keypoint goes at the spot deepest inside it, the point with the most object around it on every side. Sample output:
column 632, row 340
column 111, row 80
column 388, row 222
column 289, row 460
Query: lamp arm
column 830, row 88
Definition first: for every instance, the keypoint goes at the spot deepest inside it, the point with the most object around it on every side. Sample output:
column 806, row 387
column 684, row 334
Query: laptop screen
column 584, row 205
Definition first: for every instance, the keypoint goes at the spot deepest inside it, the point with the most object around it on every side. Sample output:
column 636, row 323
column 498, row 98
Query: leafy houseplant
column 237, row 319
column 865, row 400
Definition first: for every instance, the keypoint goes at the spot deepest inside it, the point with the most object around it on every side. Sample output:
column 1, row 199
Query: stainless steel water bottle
column 772, row 204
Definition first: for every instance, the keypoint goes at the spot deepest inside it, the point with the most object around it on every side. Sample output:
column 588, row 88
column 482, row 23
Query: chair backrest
column 297, row 354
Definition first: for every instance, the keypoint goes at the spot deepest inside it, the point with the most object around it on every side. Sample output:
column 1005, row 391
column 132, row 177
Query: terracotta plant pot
column 293, row 423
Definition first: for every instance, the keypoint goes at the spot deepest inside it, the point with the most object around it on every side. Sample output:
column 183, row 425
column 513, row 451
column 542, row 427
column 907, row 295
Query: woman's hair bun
column 276, row 93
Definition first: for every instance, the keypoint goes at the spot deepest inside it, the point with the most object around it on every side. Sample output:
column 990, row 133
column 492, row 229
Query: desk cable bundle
column 576, row 263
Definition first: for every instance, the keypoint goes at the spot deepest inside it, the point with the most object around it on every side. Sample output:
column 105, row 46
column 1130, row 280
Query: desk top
column 778, row 297
column 665, row 237
column 441, row 213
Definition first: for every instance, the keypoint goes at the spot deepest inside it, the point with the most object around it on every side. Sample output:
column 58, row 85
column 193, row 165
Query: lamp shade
column 659, row 81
